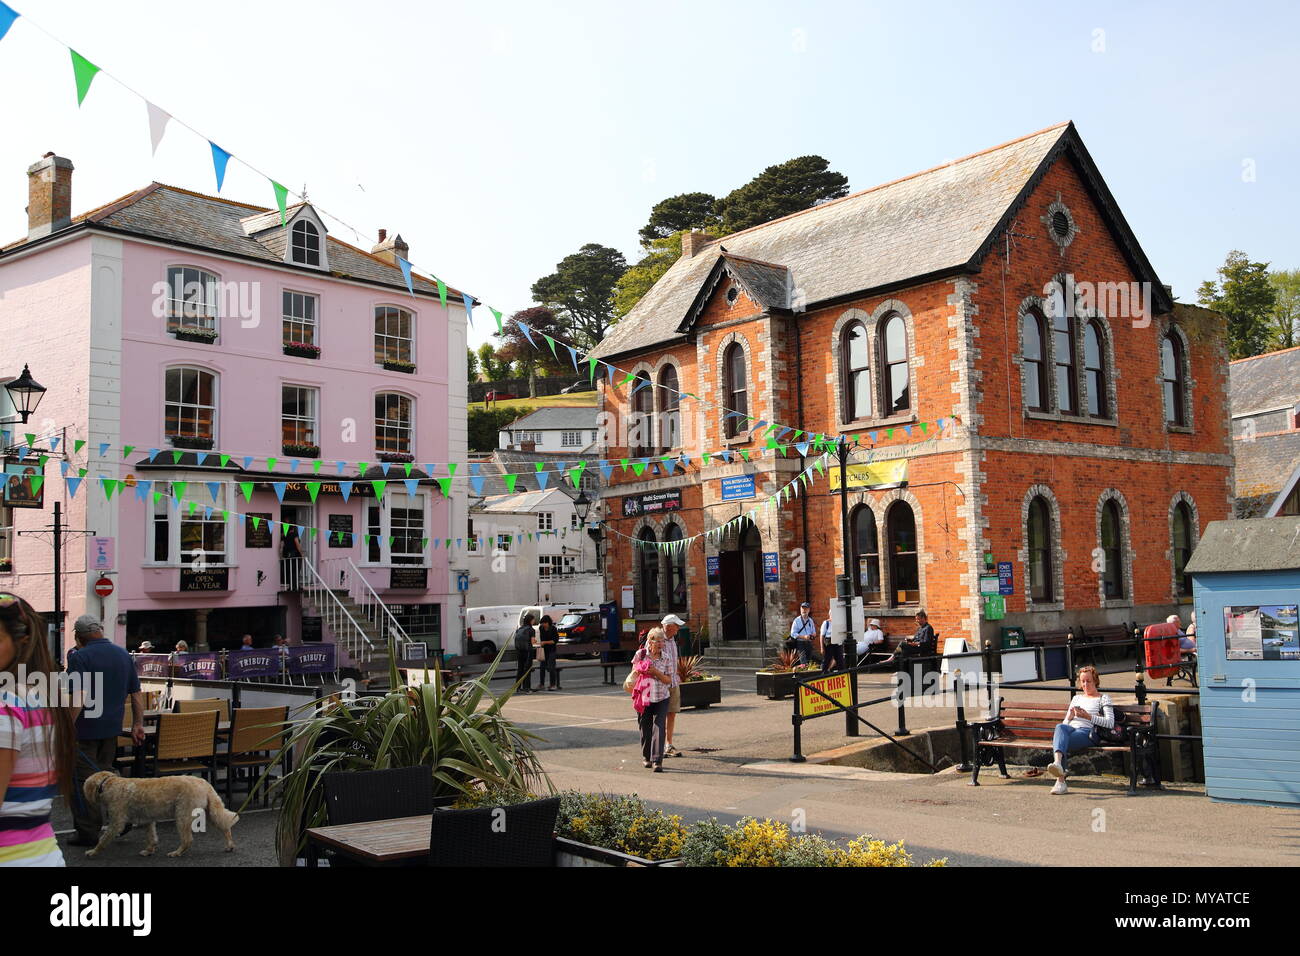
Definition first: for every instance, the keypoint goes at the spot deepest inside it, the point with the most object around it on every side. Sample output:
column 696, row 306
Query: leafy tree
column 530, row 360
column 1286, row 308
column 485, row 424
column 1246, row 297
column 636, row 282
column 777, row 191
column 581, row 291
column 494, row 368
column 471, row 365
column 687, row 211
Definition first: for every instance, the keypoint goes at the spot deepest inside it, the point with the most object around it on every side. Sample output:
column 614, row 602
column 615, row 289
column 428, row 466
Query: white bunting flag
column 158, row 120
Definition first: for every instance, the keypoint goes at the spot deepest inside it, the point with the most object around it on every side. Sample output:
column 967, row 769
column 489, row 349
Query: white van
column 488, row 629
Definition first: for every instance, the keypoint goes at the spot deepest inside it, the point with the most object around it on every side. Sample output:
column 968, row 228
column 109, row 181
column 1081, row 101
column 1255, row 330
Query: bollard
column 988, row 672
column 1069, row 656
column 959, row 688
column 796, row 719
column 901, row 706
column 1140, row 688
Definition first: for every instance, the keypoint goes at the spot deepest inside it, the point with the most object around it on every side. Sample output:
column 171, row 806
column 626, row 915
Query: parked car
column 580, row 627
column 578, row 386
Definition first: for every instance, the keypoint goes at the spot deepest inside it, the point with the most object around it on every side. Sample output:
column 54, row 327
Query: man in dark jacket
column 524, row 654
column 920, row 644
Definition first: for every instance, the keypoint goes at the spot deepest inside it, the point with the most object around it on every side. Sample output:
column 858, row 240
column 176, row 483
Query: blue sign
column 712, row 564
column 462, row 581
column 1006, row 583
column 771, row 566
column 735, row 487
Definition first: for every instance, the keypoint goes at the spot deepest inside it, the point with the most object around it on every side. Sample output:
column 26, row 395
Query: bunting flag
column 247, row 488
column 214, row 489
column 293, row 465
column 280, row 487
column 551, row 343
column 282, row 201
column 345, row 489
column 477, row 484
column 510, row 482
column 73, row 484
column 573, row 354
column 412, row 486
column 496, row 315
column 84, row 73
column 219, row 160
column 542, row 479
column 7, row 17
column 528, row 333
column 442, row 291
column 591, row 369
column 406, row 274
column 469, row 308
column 158, row 120
column 313, row 489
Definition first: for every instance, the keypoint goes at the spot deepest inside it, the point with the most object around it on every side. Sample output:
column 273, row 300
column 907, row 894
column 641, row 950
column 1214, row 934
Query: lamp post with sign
column 25, row 393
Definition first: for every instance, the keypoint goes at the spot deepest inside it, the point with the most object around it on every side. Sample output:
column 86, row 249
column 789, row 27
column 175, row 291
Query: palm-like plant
column 456, row 729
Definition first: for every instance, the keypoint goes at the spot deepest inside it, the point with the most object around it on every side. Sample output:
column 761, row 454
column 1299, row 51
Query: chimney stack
column 49, row 196
column 693, row 242
column 389, row 249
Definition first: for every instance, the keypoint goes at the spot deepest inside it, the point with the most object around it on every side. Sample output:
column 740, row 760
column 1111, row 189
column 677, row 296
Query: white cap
column 673, row 619
column 875, row 621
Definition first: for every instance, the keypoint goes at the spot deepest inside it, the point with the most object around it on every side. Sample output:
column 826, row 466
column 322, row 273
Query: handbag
column 629, row 682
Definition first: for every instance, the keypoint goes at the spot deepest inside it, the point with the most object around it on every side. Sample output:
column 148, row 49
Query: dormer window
column 305, row 243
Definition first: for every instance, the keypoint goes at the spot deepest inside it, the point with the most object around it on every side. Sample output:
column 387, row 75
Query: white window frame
column 312, row 418
column 309, row 327
column 383, row 353
column 503, row 546
column 207, row 315
column 307, row 214
column 301, row 226
column 410, row 426
column 386, row 530
column 215, row 406
column 545, row 521
column 176, row 517
column 571, row 439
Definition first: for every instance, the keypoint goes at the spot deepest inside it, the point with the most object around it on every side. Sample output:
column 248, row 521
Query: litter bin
column 684, row 642
column 1012, row 637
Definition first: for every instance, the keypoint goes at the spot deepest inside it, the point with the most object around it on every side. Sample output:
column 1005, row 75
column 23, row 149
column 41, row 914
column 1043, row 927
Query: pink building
column 240, row 361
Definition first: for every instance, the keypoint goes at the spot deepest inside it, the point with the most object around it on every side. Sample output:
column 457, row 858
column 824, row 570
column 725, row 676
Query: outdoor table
column 375, row 843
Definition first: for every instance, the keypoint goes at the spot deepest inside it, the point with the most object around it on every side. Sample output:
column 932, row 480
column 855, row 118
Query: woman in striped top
column 1088, row 710
column 38, row 743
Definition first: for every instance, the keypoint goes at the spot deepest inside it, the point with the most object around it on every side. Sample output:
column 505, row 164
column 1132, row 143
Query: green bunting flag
column 538, row 466
column 496, row 315
column 84, row 71
column 31, row 438
column 193, row 505
column 247, row 488
column 77, row 445
column 313, row 489
column 271, row 463
column 510, row 482
column 591, row 369
column 406, row 467
column 424, row 543
column 257, row 522
column 445, row 485
column 451, row 468
column 442, row 291
column 126, row 451
column 924, row 426
column 623, row 462
column 744, row 454
column 178, row 488
column 315, row 467
column 225, row 460
column 705, row 459
column 176, row 457
column 630, row 379
column 281, row 199
column 638, row 468
column 551, row 342
column 363, row 467
column 575, row 473
column 379, row 487
column 42, row 460
column 225, row 515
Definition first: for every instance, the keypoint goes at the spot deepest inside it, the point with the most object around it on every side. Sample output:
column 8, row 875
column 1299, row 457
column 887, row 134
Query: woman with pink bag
column 655, row 665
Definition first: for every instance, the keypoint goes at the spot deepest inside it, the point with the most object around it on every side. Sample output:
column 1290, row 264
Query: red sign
column 103, row 587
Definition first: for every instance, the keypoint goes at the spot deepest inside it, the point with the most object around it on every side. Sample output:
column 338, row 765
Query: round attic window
column 732, row 295
column 1061, row 224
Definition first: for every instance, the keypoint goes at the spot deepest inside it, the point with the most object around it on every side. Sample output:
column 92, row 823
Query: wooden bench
column 1186, row 670
column 615, row 654
column 1024, row 726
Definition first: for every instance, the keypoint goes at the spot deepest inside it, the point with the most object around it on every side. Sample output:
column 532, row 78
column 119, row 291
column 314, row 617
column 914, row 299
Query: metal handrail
column 295, row 580
column 366, row 598
column 396, row 629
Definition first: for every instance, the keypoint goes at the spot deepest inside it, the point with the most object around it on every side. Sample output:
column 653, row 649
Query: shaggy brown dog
column 186, row 800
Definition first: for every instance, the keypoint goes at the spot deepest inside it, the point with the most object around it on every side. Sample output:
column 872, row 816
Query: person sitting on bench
column 920, row 644
column 1088, row 710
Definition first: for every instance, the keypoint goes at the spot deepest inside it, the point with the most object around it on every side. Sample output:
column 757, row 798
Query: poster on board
column 1266, row 632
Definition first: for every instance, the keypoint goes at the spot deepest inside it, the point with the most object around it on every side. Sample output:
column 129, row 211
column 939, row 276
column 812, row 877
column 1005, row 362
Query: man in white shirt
column 802, row 631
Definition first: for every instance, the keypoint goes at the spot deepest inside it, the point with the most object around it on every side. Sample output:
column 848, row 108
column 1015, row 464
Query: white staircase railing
column 298, row 574
column 372, row 606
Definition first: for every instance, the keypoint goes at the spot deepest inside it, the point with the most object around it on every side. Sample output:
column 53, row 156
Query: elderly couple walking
column 656, row 692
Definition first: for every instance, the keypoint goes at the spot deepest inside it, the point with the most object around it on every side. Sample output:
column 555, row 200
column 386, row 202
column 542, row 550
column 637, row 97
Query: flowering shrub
column 788, row 661
column 621, row 823
column 755, row 842
column 688, row 669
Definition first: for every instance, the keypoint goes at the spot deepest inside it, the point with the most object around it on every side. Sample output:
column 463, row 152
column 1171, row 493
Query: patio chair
column 186, row 743
column 359, row 796
column 219, row 704
column 256, row 736
column 479, row 837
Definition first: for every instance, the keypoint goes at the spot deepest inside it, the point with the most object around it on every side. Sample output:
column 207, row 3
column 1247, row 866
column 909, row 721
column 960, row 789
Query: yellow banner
column 871, row 475
column 833, row 685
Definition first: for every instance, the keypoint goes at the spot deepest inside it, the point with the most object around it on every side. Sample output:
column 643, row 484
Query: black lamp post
column 25, row 393
column 582, row 505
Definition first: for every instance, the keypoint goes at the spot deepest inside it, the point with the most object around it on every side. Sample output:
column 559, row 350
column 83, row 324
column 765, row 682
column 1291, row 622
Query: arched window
column 895, row 387
column 305, row 243
column 857, row 372
column 393, row 425
column 670, row 416
column 649, row 571
column 193, row 301
column 1063, row 358
column 904, row 571
column 1035, row 372
column 1172, row 376
column 190, row 407
column 1040, row 551
column 735, row 394
column 866, row 554
column 676, row 570
column 1094, row 372
column 392, row 335
column 1182, row 534
column 643, row 416
column 1112, row 547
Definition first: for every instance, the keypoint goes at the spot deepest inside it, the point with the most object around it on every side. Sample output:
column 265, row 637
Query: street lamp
column 582, row 505
column 25, row 393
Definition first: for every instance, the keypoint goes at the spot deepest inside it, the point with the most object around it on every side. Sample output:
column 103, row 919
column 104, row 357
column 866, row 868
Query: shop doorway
column 740, row 583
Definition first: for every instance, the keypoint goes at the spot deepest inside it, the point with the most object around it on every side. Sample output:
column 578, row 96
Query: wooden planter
column 400, row 367
column 193, row 335
column 573, row 853
column 701, row 693
column 301, row 451
column 775, row 686
column 302, row 351
column 200, row 444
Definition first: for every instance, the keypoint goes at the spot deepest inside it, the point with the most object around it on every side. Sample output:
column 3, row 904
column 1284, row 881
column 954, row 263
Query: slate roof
column 185, row 218
column 934, row 222
column 557, row 417
column 1263, row 467
column 522, row 463
column 1258, row 544
column 1264, row 382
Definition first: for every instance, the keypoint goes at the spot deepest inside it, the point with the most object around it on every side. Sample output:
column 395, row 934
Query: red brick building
column 1085, row 435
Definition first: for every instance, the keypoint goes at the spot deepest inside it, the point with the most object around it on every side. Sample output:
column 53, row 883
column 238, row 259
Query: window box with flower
column 395, row 457
column 191, row 441
column 399, row 365
column 190, row 333
column 302, row 350
column 301, row 450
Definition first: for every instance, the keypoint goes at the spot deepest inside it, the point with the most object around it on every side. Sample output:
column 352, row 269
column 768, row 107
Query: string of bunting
column 84, row 75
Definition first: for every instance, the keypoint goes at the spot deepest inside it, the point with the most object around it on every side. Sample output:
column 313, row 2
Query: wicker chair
column 219, row 704
column 186, row 743
column 478, row 838
column 256, row 735
column 359, row 796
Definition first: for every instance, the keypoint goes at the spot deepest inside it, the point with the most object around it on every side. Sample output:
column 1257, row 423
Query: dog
column 148, row 800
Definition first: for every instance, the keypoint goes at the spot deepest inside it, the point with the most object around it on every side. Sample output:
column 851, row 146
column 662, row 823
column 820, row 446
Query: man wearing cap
column 802, row 630
column 872, row 637
column 671, row 624
column 108, row 677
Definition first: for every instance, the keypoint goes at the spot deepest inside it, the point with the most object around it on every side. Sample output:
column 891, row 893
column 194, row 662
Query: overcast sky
column 499, row 137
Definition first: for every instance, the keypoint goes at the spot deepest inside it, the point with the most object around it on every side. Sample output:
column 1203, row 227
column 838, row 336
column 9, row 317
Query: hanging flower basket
column 191, row 441
column 302, row 350
column 397, row 365
column 301, row 451
column 191, row 334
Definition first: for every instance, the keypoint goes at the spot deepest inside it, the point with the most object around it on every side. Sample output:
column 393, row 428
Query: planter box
column 701, row 693
column 301, row 451
column 775, row 686
column 573, row 853
column 302, row 351
column 400, row 367
column 202, row 444
column 194, row 335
